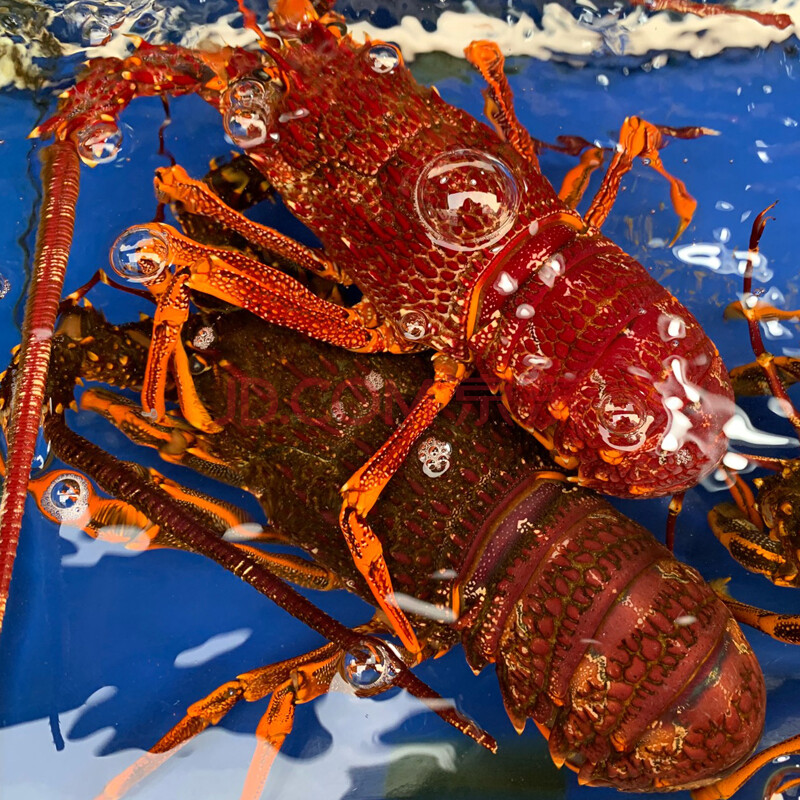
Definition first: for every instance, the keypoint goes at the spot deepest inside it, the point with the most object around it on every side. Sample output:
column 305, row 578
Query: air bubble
column 246, row 127
column 383, row 58
column 66, row 499
column 204, row 338
column 414, row 324
column 532, row 368
column 466, row 199
column 524, row 311
column 140, row 255
column 435, row 457
column 366, row 668
column 246, row 93
column 99, row 143
column 623, row 419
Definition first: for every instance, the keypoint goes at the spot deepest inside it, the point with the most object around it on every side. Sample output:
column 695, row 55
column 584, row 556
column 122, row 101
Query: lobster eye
column 139, row 254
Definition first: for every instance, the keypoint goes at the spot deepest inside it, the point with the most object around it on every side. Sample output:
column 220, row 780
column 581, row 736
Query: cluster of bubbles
column 367, row 669
column 466, row 199
column 66, row 499
column 248, row 112
column 139, row 254
column 435, row 457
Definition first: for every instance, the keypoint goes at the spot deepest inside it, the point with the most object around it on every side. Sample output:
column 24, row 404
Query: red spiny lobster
column 623, row 657
column 497, row 272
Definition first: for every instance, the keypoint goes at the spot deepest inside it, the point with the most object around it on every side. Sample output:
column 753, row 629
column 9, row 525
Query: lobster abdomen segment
column 624, row 655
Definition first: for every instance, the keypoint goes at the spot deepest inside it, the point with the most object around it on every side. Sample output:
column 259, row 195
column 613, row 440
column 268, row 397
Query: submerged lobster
column 624, row 658
column 457, row 243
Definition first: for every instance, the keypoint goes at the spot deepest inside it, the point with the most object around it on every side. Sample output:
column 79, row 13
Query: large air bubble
column 466, row 199
column 140, row 255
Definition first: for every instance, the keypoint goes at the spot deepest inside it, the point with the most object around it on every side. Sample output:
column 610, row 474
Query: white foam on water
column 560, row 35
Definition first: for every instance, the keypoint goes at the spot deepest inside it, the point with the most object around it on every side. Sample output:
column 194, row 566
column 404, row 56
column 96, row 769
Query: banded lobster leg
column 64, row 496
column 290, row 683
column 637, row 139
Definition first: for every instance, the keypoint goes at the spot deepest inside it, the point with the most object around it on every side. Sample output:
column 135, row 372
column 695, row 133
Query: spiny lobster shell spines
column 582, row 343
column 623, row 655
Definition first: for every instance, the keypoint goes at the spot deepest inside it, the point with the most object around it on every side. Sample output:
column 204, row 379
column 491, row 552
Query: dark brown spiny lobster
column 626, row 660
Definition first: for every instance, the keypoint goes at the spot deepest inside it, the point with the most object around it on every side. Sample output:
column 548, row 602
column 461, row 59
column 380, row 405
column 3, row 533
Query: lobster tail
column 622, row 655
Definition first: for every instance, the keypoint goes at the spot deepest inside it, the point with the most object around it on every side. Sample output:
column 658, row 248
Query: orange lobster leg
column 296, row 680
column 363, row 489
column 487, row 58
column 637, row 137
column 783, row 627
column 577, row 179
column 173, row 184
column 249, row 284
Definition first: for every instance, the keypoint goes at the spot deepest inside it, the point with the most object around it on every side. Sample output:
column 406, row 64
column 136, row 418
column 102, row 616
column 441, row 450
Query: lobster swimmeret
column 623, row 656
column 458, row 244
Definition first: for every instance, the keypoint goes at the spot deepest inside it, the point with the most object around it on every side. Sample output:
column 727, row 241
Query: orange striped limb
column 486, row 57
column 173, row 184
column 176, row 441
column 753, row 547
column 361, row 492
column 728, row 786
column 783, row 627
column 246, row 283
column 641, row 139
column 291, row 682
column 68, row 497
column 577, row 179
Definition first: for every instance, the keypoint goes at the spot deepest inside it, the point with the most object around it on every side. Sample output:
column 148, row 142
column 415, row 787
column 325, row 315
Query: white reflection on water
column 214, row 764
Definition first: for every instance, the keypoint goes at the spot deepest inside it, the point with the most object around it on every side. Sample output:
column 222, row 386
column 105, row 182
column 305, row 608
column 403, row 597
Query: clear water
column 88, row 657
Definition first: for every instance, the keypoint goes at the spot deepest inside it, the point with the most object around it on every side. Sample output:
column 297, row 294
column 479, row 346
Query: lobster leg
column 362, row 491
column 291, row 682
column 577, row 179
column 173, row 184
column 642, row 139
column 783, row 627
column 499, row 108
column 64, row 496
column 256, row 287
